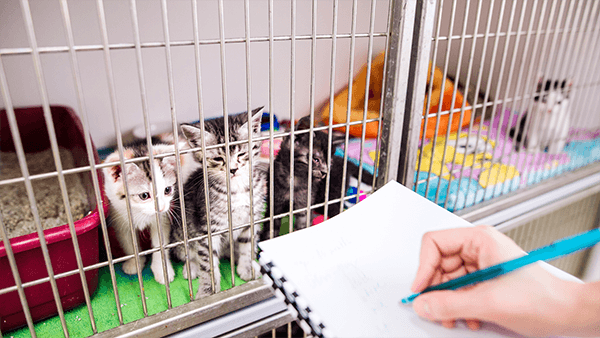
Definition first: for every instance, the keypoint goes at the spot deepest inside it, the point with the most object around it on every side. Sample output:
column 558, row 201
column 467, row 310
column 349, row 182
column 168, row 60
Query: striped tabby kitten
column 238, row 171
column 142, row 202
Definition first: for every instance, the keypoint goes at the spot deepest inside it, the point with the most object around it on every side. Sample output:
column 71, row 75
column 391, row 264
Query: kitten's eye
column 316, row 160
column 144, row 196
column 219, row 159
column 240, row 155
column 168, row 190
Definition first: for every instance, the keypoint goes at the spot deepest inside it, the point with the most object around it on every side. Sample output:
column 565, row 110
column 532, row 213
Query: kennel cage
column 508, row 42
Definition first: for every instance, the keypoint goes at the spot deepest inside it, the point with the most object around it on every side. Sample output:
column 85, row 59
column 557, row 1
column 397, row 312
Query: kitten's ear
column 190, row 132
column 193, row 135
column 115, row 171
column 256, row 118
column 303, row 123
column 337, row 139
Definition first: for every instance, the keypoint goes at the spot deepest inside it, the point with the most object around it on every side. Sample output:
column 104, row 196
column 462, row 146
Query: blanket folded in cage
column 470, row 167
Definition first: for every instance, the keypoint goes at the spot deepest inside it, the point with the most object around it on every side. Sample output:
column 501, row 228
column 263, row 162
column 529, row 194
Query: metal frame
column 408, row 42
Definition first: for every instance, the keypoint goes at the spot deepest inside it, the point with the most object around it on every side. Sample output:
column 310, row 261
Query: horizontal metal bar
column 116, row 46
column 536, row 213
column 194, row 313
column 502, row 34
column 505, row 207
column 238, row 321
column 174, row 244
column 264, row 325
column 84, row 169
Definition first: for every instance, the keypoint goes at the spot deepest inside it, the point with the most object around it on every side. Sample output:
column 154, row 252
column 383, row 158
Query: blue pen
column 555, row 250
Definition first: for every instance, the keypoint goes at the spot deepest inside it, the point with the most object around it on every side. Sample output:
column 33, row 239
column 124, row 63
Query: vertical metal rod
column 417, row 30
column 271, row 122
column 292, row 135
column 489, row 82
column 580, row 50
column 445, row 74
column 8, row 247
column 517, row 88
column 480, row 77
column 14, row 129
column 117, row 125
column 585, row 73
column 452, row 102
column 534, row 163
column 568, row 71
column 571, row 51
column 366, row 105
column 226, row 122
column 496, row 181
column 250, row 130
column 349, row 103
column 89, row 148
column 331, row 97
column 429, row 92
column 567, row 52
column 530, row 74
column 55, row 152
column 313, row 56
column 376, row 176
column 496, row 95
column 580, row 106
column 473, row 104
column 203, row 146
column 551, row 74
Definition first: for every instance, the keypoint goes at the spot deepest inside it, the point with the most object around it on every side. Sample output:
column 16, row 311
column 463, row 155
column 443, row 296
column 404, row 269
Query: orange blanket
column 357, row 102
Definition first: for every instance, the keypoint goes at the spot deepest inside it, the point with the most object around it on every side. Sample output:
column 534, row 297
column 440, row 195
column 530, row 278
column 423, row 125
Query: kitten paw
column 245, row 269
column 203, row 292
column 205, row 285
column 129, row 265
column 157, row 270
column 194, row 270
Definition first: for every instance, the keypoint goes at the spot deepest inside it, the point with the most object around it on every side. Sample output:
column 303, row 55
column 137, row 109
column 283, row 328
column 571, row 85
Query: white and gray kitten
column 142, row 202
column 549, row 120
column 238, row 170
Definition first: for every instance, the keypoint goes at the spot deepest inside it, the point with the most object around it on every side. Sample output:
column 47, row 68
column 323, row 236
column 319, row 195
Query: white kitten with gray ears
column 142, row 202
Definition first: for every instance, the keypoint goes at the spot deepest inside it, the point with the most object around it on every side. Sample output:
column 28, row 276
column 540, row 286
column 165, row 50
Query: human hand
column 529, row 301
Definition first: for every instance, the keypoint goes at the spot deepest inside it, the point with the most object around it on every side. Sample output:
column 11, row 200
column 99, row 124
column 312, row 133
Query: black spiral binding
column 292, row 299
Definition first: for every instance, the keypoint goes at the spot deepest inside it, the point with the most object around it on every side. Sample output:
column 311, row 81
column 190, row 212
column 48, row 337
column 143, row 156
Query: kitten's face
column 302, row 153
column 239, row 154
column 139, row 183
column 551, row 95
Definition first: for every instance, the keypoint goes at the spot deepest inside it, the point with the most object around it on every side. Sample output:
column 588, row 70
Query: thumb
column 448, row 305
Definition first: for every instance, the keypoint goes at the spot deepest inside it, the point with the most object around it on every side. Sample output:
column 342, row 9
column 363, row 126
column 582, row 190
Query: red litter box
column 26, row 248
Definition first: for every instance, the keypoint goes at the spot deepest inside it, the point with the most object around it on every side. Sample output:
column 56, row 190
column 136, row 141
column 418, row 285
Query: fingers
column 447, row 306
column 435, row 246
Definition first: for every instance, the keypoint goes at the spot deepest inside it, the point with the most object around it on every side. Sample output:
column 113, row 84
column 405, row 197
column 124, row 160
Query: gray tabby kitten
column 217, row 172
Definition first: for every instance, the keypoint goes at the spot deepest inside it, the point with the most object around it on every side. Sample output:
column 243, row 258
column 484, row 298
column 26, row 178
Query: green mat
column 104, row 304
column 105, row 308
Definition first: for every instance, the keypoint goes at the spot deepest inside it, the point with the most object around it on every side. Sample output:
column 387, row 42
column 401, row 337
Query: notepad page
column 355, row 268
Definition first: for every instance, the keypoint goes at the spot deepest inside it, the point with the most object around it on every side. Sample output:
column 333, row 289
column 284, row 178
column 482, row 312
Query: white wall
column 49, row 31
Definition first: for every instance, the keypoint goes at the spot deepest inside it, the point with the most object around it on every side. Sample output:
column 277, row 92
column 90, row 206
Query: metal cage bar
column 89, row 149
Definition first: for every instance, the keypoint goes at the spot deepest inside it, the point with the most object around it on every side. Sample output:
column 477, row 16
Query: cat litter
column 16, row 211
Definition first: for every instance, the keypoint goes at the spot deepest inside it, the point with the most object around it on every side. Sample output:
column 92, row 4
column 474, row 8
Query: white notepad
column 352, row 270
